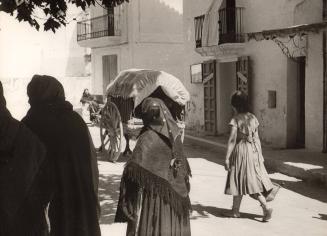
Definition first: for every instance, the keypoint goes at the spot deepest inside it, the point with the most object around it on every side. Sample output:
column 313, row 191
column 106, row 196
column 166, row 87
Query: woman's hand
column 230, row 146
column 227, row 165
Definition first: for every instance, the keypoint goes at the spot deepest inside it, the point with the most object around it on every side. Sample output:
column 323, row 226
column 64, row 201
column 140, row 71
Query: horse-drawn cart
column 121, row 115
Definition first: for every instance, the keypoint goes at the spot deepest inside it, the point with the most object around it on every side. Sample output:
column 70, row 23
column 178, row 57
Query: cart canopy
column 141, row 83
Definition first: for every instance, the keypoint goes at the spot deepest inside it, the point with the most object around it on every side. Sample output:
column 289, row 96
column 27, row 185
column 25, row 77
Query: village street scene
column 297, row 201
column 163, row 117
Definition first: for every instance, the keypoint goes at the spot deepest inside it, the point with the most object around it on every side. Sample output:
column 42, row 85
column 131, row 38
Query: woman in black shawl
column 73, row 209
column 155, row 184
column 24, row 178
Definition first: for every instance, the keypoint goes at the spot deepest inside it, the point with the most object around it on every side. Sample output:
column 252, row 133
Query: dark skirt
column 155, row 217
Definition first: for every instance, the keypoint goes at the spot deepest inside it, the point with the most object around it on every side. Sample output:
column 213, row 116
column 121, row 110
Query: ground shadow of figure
column 307, row 189
column 103, row 156
column 108, row 197
column 321, row 217
column 203, row 212
column 311, row 190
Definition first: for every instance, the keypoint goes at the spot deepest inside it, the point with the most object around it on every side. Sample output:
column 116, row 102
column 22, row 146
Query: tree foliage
column 54, row 10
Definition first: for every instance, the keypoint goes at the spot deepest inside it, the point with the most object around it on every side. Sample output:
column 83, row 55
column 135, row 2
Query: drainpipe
column 324, row 43
column 324, row 38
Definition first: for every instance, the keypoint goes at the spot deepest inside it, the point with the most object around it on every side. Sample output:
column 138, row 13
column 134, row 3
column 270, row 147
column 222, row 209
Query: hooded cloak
column 73, row 209
column 24, row 178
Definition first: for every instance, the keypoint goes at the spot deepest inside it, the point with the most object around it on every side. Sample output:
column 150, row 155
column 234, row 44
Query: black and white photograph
column 163, row 117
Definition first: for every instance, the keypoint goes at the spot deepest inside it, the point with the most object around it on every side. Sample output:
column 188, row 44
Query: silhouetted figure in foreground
column 73, row 209
column 24, row 178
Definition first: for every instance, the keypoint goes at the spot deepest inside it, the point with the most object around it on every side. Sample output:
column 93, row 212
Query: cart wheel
column 111, row 131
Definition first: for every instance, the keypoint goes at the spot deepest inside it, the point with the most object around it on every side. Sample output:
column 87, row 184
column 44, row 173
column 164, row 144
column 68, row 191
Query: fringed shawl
column 150, row 170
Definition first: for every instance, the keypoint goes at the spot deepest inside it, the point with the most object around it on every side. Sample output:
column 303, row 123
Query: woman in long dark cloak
column 24, row 178
column 73, row 210
column 155, row 184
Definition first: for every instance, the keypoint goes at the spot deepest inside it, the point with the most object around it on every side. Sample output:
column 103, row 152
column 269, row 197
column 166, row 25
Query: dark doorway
column 230, row 23
column 300, row 135
column 230, row 7
column 295, row 102
column 109, row 69
column 230, row 3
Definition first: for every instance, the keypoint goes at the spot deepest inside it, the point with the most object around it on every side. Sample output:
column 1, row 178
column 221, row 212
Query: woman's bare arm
column 230, row 146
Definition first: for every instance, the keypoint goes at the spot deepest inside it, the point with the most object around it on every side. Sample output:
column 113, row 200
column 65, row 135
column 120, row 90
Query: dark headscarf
column 21, row 158
column 44, row 89
column 157, row 116
column 158, row 163
column 74, row 207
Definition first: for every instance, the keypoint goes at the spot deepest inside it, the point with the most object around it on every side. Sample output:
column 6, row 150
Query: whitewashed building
column 139, row 34
column 273, row 50
column 24, row 51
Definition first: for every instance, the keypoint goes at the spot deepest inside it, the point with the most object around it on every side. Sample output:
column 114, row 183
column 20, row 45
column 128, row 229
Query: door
column 109, row 68
column 243, row 75
column 300, row 135
column 209, row 85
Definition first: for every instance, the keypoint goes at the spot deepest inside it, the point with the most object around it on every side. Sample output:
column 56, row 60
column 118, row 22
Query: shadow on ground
column 321, row 217
column 203, row 211
column 311, row 190
column 299, row 156
column 108, row 197
column 102, row 156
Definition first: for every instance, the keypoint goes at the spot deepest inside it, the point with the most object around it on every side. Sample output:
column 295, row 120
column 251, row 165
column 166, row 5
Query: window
column 196, row 73
column 272, row 100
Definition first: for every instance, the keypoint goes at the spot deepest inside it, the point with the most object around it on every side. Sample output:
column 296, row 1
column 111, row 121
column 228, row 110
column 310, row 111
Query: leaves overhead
column 53, row 10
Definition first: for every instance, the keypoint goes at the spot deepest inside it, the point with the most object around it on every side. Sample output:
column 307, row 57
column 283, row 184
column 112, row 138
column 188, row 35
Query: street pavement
column 299, row 208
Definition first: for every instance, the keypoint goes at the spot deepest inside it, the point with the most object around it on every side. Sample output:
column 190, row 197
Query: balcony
column 100, row 31
column 230, row 30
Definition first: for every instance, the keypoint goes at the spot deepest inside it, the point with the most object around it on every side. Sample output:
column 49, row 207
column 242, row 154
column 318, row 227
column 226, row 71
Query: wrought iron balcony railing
column 107, row 25
column 230, row 26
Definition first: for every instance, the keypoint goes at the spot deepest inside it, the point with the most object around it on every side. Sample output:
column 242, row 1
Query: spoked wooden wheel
column 111, row 131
